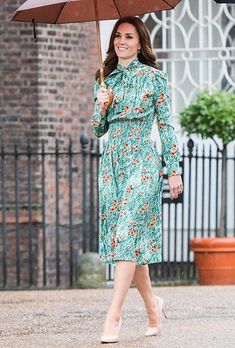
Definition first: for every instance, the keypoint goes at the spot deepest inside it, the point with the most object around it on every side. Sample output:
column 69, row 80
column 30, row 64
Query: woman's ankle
column 113, row 317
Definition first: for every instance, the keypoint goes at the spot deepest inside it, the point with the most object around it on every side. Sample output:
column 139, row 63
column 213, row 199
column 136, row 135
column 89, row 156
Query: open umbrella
column 73, row 11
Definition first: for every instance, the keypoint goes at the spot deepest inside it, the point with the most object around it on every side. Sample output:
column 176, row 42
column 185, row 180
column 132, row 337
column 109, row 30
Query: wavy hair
column 146, row 54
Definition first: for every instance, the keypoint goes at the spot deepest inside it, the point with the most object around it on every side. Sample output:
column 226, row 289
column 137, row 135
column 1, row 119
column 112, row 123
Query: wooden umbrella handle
column 102, row 83
column 99, row 43
column 102, row 76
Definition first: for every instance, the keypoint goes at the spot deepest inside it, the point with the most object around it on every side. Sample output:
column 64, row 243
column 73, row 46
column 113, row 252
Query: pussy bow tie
column 122, row 77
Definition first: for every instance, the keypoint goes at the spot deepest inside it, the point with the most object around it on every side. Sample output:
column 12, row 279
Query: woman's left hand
column 175, row 185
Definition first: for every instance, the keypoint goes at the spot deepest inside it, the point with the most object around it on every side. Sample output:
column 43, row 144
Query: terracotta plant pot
column 215, row 260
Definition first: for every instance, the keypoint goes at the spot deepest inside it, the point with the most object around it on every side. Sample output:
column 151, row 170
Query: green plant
column 211, row 116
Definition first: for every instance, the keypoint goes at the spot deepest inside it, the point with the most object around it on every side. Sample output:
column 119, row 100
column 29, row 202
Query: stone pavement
column 198, row 317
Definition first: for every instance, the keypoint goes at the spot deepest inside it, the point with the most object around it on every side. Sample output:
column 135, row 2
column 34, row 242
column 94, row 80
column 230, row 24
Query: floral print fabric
column 130, row 171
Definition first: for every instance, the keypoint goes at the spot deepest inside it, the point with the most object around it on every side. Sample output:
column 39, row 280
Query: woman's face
column 126, row 42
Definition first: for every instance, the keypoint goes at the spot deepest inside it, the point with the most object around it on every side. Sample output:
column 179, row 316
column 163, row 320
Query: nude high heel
column 155, row 330
column 112, row 339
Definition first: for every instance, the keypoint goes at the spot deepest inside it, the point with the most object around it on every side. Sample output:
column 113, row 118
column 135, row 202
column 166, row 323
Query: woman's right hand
column 104, row 96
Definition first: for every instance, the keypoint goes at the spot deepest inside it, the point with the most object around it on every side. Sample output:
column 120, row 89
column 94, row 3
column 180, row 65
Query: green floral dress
column 130, row 171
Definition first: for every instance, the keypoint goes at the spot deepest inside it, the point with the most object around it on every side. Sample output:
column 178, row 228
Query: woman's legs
column 123, row 276
column 143, row 284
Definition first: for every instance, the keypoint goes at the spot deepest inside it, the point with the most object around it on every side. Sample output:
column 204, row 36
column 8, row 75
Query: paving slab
column 198, row 317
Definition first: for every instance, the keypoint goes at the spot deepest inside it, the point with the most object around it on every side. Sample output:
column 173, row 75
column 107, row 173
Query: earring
column 138, row 50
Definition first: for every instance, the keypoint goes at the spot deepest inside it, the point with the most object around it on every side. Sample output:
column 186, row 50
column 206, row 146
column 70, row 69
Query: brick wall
column 45, row 87
column 18, row 83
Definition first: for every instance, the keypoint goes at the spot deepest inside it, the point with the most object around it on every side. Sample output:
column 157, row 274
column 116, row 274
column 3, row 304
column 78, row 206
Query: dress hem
column 113, row 262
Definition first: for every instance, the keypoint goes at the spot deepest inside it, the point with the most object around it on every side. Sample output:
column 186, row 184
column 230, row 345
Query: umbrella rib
column 117, row 8
column 168, row 4
column 60, row 12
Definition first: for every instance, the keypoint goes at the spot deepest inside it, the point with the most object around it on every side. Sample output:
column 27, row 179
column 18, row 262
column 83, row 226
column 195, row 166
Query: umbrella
column 73, row 11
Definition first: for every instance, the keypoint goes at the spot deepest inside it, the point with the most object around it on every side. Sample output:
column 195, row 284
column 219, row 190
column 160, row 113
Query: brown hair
column 146, row 54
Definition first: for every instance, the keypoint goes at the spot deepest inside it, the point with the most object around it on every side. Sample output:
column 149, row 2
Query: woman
column 130, row 171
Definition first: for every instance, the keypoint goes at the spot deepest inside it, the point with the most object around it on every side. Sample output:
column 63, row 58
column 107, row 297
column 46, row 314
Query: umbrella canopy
column 73, row 11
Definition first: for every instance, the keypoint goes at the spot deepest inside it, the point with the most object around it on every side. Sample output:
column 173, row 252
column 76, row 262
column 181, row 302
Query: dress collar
column 134, row 64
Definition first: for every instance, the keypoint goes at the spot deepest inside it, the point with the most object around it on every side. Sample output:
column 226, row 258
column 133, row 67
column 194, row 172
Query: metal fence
column 49, row 211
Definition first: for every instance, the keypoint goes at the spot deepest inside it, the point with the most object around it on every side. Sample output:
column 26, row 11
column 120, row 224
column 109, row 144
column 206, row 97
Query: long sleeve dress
column 130, row 171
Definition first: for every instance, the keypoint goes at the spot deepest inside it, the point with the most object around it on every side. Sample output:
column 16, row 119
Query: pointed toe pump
column 112, row 339
column 155, row 330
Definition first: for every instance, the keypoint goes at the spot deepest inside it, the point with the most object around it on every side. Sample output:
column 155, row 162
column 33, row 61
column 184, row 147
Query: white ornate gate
column 195, row 44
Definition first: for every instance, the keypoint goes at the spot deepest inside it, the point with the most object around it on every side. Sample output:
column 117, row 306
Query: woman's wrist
column 102, row 108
